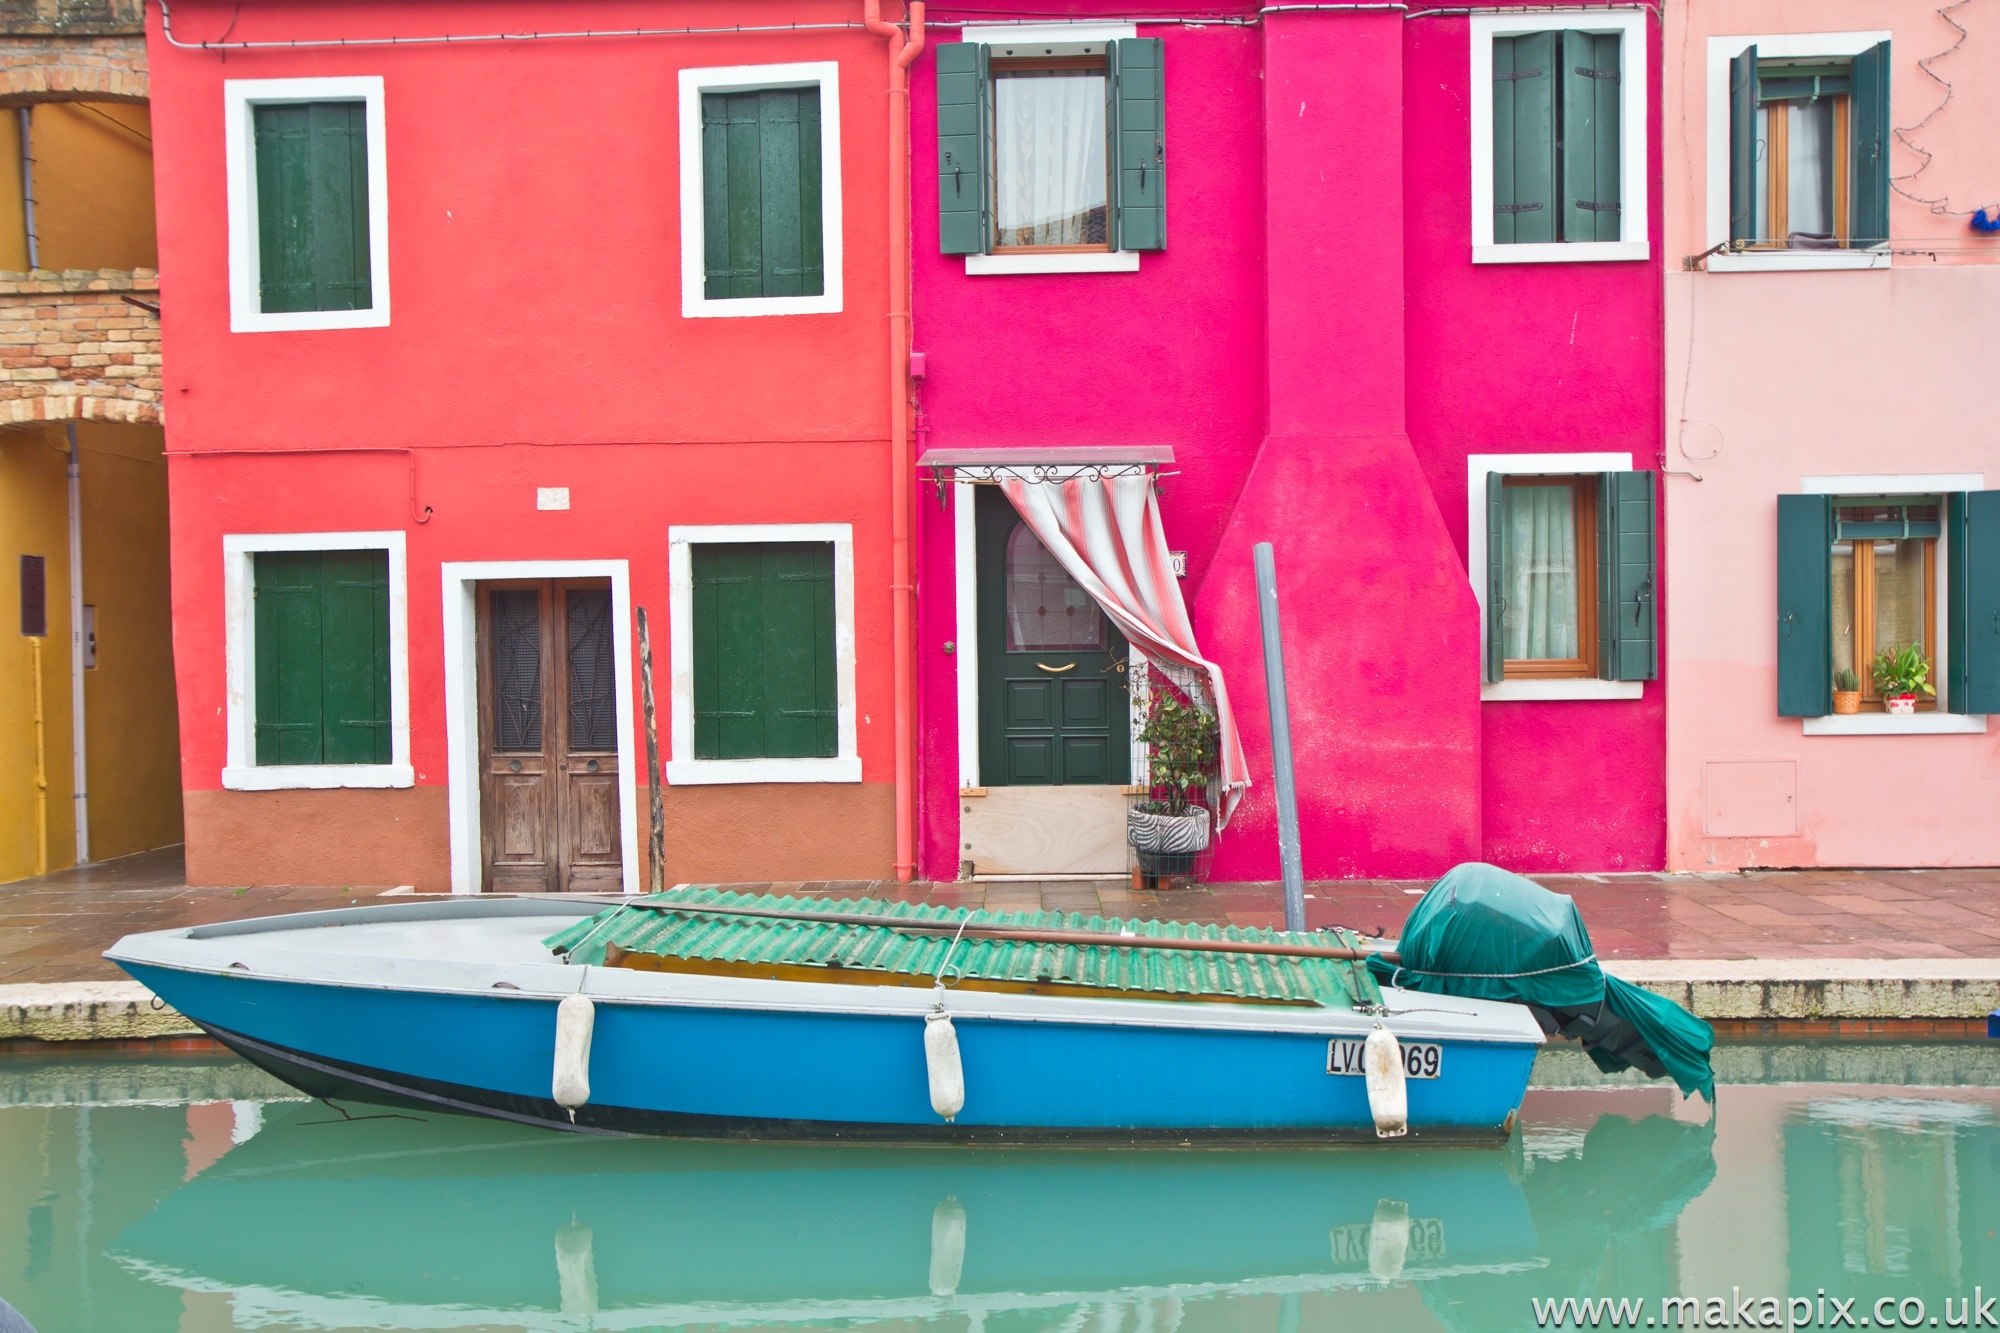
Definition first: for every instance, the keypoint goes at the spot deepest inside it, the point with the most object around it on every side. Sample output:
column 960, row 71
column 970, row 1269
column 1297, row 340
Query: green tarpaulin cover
column 1484, row 933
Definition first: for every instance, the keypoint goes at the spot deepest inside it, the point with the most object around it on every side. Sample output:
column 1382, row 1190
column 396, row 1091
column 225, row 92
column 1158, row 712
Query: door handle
column 1054, row 671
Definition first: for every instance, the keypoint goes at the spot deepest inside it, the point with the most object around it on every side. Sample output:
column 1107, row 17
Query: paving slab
column 1836, row 946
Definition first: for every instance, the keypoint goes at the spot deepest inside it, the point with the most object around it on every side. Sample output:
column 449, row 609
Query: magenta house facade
column 1379, row 287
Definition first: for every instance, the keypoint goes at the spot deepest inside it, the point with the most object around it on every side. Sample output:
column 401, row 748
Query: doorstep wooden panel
column 1067, row 830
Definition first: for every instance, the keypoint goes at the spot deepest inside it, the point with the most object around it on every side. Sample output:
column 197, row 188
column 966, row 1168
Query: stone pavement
column 1791, row 944
column 53, row 929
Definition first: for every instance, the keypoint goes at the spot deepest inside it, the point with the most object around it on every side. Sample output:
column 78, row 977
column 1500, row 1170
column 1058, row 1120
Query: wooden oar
column 1032, row 935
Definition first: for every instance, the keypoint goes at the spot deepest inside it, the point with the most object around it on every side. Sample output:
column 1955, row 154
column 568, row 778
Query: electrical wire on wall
column 1940, row 206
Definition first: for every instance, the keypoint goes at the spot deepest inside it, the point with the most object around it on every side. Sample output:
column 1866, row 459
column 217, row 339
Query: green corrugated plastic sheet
column 871, row 944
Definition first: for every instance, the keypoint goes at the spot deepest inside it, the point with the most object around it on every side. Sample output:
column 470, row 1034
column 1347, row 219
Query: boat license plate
column 1421, row 1059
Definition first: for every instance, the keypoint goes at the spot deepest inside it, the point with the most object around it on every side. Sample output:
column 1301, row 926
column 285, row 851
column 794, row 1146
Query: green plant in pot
column 1171, row 826
column 1846, row 691
column 1901, row 674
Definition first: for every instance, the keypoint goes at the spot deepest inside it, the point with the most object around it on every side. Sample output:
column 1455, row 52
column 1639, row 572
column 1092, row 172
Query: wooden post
column 656, row 844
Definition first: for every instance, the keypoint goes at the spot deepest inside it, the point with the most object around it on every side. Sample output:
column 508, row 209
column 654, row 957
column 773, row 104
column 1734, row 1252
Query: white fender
column 941, row 1058
column 1389, row 1240
column 947, row 1246
column 1388, row 1100
column 575, row 1017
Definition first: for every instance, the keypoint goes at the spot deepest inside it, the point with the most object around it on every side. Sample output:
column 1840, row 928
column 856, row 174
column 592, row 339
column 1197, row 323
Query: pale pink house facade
column 1832, row 465
column 1345, row 294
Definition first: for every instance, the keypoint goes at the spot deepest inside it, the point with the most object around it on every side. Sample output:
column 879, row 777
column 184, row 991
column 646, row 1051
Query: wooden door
column 548, row 738
column 1054, row 707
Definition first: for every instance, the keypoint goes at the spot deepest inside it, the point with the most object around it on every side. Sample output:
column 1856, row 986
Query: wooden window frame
column 1864, row 618
column 1585, row 514
column 1003, row 67
column 1777, row 157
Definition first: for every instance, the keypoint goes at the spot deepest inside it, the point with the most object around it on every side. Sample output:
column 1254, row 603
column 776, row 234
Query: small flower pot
column 1153, row 831
column 1901, row 705
column 1847, row 701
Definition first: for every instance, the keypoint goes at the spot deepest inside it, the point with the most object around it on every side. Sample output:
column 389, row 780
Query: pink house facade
column 1397, row 311
column 1836, row 485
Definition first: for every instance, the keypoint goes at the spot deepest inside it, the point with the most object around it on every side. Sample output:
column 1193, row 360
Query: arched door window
column 1046, row 610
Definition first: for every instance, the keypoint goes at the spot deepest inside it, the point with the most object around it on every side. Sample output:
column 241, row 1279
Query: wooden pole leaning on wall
column 656, row 842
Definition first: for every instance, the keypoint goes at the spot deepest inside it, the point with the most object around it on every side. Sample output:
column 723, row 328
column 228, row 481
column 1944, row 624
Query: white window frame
column 1478, row 468
column 823, row 74
column 239, row 96
column 1715, row 176
column 461, row 704
column 1049, row 35
column 241, row 771
column 1939, row 722
column 683, row 769
column 1633, row 85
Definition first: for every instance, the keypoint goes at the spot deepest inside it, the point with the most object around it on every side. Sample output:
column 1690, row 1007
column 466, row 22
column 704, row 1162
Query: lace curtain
column 1048, row 150
column 1538, row 538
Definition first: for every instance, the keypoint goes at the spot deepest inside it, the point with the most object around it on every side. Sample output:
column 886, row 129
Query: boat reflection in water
column 447, row 1224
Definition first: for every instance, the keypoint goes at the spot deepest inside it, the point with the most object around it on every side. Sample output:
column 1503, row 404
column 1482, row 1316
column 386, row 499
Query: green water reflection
column 180, row 1197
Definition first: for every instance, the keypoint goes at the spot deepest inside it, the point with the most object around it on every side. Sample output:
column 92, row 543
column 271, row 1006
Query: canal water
column 192, row 1195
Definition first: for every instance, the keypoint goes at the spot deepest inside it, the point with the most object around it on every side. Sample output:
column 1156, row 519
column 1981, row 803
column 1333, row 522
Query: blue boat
column 714, row 1015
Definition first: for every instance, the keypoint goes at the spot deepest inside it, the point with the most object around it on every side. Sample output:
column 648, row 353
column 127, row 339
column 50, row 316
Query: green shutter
column 1496, row 582
column 1972, row 552
column 1524, row 138
column 1627, row 577
column 764, row 670
column 961, row 94
column 354, row 625
column 290, row 691
column 321, row 631
column 1743, row 220
column 761, row 223
column 1591, row 73
column 1139, row 133
column 1805, row 606
column 1868, row 181
column 312, row 206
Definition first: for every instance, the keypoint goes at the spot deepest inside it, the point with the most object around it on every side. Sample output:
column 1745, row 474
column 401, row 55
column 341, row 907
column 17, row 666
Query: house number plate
column 1421, row 1059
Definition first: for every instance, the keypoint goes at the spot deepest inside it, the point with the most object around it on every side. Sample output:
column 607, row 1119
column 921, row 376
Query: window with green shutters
column 1858, row 574
column 761, row 204
column 1056, row 148
column 1808, row 149
column 1571, row 573
column 313, row 243
column 763, row 650
column 321, row 636
column 1557, row 137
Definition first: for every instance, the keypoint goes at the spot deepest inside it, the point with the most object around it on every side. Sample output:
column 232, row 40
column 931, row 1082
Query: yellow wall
column 132, row 728
column 33, row 521
column 93, row 186
column 132, row 723
column 13, row 235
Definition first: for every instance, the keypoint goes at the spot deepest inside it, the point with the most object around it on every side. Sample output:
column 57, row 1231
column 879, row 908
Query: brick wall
column 72, row 69
column 73, row 347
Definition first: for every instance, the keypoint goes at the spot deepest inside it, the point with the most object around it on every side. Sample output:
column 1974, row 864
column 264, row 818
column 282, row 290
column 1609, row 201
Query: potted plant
column 1846, row 691
column 1901, row 674
column 1169, row 828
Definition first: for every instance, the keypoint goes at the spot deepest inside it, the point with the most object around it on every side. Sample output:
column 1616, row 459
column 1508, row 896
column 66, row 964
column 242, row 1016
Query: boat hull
column 451, row 1005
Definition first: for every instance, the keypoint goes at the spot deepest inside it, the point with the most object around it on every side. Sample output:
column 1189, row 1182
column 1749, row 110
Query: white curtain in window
column 1538, row 541
column 1809, row 167
column 1048, row 148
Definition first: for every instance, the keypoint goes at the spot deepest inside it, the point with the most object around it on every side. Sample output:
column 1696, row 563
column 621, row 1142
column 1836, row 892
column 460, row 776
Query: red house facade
column 475, row 350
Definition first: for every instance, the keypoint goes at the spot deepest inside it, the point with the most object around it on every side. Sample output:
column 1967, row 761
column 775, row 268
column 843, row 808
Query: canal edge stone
column 1822, row 988
column 87, row 1011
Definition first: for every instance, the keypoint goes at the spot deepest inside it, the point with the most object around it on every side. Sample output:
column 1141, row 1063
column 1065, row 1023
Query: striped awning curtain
column 1107, row 535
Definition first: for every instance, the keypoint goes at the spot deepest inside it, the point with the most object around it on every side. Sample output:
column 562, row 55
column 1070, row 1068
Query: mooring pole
column 656, row 843
column 1281, row 739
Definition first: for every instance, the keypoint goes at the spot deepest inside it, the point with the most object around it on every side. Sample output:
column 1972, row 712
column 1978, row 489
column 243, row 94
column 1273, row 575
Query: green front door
column 1053, row 704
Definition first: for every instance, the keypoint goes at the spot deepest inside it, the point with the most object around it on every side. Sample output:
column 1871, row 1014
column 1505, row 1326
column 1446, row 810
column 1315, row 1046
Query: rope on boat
column 1488, row 976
